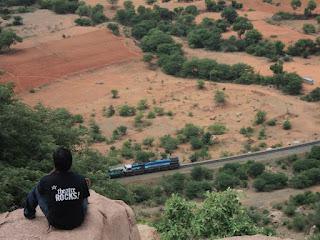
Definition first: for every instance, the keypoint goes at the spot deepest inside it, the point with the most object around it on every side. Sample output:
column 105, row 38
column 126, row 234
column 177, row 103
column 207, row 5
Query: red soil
column 33, row 67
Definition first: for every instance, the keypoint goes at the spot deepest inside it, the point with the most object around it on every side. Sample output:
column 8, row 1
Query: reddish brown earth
column 32, row 67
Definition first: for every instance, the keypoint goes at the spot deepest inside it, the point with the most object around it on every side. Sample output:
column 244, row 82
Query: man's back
column 64, row 193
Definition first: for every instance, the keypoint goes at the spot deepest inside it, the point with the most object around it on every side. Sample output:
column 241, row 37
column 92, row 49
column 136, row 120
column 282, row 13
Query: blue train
column 142, row 168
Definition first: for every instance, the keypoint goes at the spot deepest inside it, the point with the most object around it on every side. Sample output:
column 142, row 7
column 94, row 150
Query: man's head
column 62, row 158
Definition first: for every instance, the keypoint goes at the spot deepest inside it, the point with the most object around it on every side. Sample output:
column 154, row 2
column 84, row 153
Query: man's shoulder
column 77, row 175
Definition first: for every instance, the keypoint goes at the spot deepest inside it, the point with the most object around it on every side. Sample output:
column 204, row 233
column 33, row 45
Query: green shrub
column 217, row 129
column 139, row 122
column 196, row 189
column 255, row 169
column 270, row 181
column 305, row 198
column 151, row 115
column 84, row 10
column 200, row 173
column 290, row 210
column 247, row 131
column 95, row 132
column 114, row 27
column 159, row 111
column 109, row 112
column 148, row 141
column 309, row 28
column 127, row 150
column 200, row 154
column 17, row 21
column 201, row 84
column 141, row 193
column 286, row 125
column 299, row 223
column 119, row 132
column 127, row 111
column 260, row 117
column 142, row 105
column 83, row 21
column 305, row 164
column 150, row 42
column 169, row 143
column 306, row 178
column 115, row 93
column 143, row 156
column 190, row 130
column 7, row 39
column 220, row 97
column 313, row 96
column 262, row 134
column 148, row 57
column 272, row 122
column 196, row 143
column 315, row 152
column 230, row 14
column 174, row 183
column 225, row 180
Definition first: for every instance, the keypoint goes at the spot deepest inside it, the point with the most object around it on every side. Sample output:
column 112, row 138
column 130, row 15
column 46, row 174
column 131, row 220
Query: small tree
column 113, row 3
column 286, row 125
column 230, row 14
column 260, row 117
column 169, row 143
column 17, row 21
column 309, row 28
column 200, row 173
column 114, row 27
column 312, row 5
column 126, row 111
column 241, row 25
column 277, row 68
column 142, row 105
column 201, row 84
column 8, row 38
column 295, row 4
column 115, row 93
column 220, row 97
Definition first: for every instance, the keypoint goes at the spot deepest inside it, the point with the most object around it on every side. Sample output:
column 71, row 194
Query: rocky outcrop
column 148, row 233
column 106, row 220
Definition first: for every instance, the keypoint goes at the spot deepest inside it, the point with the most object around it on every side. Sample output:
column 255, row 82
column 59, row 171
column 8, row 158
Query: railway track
column 266, row 155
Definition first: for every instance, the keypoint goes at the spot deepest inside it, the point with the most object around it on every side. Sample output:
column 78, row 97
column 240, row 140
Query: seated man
column 62, row 195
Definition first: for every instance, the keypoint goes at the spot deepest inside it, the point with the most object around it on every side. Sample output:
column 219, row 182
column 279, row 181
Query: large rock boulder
column 106, row 220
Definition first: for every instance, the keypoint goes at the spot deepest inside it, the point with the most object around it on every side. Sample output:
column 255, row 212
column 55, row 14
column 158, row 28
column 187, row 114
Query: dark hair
column 62, row 159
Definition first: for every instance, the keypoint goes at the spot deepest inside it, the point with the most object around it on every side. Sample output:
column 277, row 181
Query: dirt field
column 91, row 92
column 33, row 67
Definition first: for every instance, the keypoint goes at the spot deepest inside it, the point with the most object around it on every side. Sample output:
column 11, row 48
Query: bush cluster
column 270, row 181
column 7, row 39
column 153, row 28
column 220, row 215
column 313, row 96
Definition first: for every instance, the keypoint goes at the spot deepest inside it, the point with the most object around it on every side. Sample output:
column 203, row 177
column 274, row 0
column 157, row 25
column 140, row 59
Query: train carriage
column 142, row 168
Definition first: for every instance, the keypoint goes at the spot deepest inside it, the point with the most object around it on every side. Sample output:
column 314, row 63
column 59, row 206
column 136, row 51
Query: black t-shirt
column 64, row 193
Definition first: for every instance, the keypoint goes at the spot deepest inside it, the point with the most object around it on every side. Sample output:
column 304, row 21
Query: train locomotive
column 142, row 168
